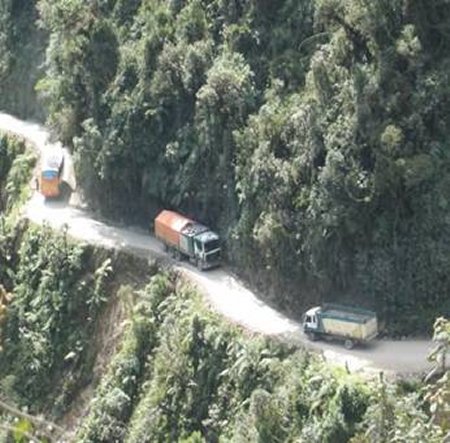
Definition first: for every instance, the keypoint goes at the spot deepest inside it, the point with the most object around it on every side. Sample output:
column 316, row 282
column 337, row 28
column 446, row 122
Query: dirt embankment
column 129, row 273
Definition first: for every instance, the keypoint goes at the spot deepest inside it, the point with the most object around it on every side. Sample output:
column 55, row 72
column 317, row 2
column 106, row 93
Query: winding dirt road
column 223, row 292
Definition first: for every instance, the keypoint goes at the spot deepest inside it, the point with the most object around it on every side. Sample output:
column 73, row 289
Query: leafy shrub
column 16, row 163
column 49, row 316
column 312, row 135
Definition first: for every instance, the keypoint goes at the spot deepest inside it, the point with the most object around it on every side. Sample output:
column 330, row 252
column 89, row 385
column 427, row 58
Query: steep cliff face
column 61, row 315
column 110, row 360
column 312, row 135
column 22, row 56
column 114, row 348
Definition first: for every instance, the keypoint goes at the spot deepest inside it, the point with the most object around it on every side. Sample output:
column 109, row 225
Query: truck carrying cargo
column 352, row 325
column 185, row 238
column 52, row 163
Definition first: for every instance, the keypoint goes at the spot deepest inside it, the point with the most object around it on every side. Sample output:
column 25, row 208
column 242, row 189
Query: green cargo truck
column 352, row 325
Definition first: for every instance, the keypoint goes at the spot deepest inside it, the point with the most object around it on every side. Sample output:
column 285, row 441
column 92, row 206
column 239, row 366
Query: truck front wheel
column 348, row 343
column 175, row 254
column 312, row 336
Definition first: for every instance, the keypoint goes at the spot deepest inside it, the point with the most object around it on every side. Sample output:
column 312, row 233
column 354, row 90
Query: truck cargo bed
column 346, row 313
column 360, row 324
column 168, row 227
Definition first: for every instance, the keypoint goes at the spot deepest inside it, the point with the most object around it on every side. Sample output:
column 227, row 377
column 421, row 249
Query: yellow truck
column 352, row 325
column 52, row 163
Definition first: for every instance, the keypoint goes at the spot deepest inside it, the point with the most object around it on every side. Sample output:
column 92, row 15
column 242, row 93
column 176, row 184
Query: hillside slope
column 313, row 135
column 22, row 55
column 223, row 291
column 85, row 344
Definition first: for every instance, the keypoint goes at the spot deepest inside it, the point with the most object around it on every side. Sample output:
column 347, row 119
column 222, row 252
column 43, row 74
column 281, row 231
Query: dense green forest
column 311, row 134
column 22, row 56
column 108, row 347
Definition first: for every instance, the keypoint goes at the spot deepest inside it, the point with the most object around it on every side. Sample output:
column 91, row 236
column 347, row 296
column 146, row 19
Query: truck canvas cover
column 347, row 313
column 169, row 225
column 349, row 322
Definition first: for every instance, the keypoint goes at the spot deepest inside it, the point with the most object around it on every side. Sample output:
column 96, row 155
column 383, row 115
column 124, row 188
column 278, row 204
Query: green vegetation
column 205, row 382
column 53, row 296
column 183, row 375
column 174, row 371
column 15, row 171
column 50, row 318
column 311, row 134
column 16, row 163
column 52, row 330
column 22, row 53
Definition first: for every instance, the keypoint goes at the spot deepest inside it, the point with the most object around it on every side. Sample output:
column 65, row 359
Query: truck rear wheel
column 348, row 343
column 174, row 253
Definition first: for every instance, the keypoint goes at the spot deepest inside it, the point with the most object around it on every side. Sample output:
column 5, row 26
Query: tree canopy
column 313, row 135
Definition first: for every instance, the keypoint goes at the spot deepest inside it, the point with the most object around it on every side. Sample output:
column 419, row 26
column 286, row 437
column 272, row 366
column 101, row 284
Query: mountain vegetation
column 109, row 347
column 311, row 134
column 22, row 56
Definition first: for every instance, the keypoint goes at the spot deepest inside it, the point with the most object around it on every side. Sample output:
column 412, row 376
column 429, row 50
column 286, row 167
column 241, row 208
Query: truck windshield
column 211, row 245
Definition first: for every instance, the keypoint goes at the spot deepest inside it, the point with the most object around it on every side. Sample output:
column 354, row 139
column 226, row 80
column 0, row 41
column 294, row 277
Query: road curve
column 224, row 292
